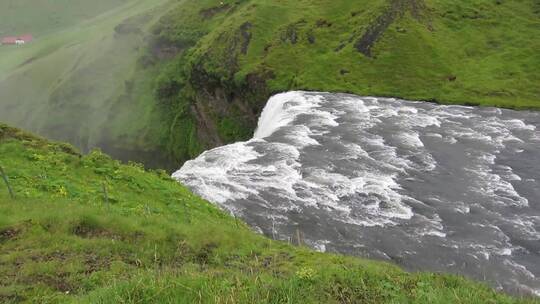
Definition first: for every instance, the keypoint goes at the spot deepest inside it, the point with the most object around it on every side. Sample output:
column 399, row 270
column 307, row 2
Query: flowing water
column 429, row 187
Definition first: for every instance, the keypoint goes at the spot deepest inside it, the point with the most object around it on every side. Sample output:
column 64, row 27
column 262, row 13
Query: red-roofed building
column 18, row 40
column 9, row 40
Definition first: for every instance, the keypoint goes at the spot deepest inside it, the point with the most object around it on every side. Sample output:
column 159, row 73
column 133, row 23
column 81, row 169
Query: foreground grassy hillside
column 86, row 229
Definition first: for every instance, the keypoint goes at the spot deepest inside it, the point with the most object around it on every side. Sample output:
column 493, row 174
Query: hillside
column 188, row 75
column 86, row 229
column 461, row 52
column 64, row 84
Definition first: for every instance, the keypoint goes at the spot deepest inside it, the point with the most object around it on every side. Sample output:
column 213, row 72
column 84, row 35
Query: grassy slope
column 488, row 46
column 155, row 242
column 240, row 52
column 65, row 84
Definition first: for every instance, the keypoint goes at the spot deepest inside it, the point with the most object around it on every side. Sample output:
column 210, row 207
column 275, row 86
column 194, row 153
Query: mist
column 75, row 79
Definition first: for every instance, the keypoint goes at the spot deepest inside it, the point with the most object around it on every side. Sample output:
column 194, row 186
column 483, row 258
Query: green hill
column 161, row 81
column 479, row 52
column 87, row 229
column 64, row 84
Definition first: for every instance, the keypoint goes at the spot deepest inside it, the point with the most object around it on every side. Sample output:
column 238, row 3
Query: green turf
column 86, row 229
column 487, row 46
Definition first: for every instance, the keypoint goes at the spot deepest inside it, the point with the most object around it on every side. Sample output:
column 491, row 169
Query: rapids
column 429, row 187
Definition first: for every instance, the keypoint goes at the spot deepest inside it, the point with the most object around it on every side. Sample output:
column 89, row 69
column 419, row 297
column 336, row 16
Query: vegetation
column 235, row 54
column 77, row 74
column 87, row 229
column 161, row 81
column 47, row 16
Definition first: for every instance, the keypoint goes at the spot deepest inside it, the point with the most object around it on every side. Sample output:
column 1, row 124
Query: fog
column 74, row 80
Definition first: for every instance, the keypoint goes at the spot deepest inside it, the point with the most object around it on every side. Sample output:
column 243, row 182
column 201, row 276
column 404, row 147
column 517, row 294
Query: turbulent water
column 430, row 187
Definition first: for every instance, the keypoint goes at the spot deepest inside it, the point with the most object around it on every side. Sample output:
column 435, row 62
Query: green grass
column 149, row 240
column 488, row 46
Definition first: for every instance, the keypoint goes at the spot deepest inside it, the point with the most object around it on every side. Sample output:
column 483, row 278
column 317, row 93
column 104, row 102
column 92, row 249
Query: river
column 429, row 187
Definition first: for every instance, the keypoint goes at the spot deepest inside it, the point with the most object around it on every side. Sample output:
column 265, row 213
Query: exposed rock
column 245, row 32
column 291, row 32
column 126, row 28
column 311, row 37
column 163, row 49
column 323, row 23
column 212, row 11
column 396, row 10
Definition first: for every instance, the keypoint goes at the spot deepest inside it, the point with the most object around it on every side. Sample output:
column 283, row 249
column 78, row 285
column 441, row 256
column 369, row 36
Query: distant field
column 64, row 83
column 44, row 16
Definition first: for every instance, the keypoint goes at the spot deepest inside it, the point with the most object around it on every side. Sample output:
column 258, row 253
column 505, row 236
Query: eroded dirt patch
column 396, row 10
column 212, row 11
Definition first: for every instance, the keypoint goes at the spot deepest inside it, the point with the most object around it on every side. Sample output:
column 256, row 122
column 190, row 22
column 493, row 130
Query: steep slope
column 86, row 229
column 64, row 84
column 462, row 52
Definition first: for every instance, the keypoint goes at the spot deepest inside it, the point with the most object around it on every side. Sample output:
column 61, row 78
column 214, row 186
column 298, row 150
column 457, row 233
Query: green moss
column 149, row 240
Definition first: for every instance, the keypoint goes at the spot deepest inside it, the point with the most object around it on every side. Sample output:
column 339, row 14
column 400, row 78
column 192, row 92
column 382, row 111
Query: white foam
column 281, row 110
column 344, row 159
column 411, row 139
column 301, row 136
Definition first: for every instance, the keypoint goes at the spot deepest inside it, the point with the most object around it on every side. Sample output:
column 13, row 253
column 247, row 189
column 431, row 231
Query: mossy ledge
column 87, row 229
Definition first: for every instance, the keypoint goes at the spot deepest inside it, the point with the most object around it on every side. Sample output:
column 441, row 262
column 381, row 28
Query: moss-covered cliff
column 232, row 55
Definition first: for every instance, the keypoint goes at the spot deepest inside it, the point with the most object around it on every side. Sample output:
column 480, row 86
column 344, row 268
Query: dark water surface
column 430, row 187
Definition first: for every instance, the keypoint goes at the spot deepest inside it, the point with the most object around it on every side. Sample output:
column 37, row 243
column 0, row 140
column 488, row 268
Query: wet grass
column 149, row 240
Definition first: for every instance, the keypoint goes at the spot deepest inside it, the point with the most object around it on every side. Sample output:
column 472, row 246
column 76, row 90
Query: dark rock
column 311, row 37
column 377, row 28
column 340, row 47
column 212, row 11
column 323, row 23
column 245, row 32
